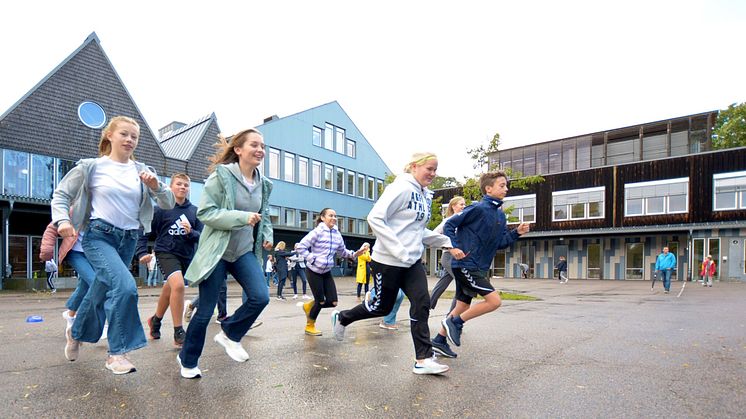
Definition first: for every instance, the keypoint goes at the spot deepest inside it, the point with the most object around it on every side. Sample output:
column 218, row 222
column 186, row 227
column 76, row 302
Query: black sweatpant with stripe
column 387, row 281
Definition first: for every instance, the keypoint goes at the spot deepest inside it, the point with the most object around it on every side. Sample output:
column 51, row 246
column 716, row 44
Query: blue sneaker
column 453, row 331
column 443, row 349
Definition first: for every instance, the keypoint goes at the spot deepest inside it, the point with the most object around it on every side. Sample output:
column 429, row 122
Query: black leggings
column 324, row 292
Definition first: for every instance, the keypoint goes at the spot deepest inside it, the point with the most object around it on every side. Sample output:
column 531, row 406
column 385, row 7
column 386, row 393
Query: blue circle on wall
column 92, row 115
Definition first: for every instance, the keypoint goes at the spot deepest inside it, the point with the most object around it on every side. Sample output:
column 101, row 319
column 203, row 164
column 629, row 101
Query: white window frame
column 288, row 172
column 328, row 177
column 328, row 139
column 350, row 148
column 339, row 183
column 317, row 131
column 316, row 174
column 274, row 163
column 360, row 182
column 351, row 190
column 666, row 198
column 339, row 140
column 586, row 210
column 302, row 170
column 739, row 193
column 518, row 211
column 371, row 188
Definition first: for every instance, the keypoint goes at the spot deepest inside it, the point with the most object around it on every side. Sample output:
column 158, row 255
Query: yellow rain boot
column 307, row 309
column 311, row 329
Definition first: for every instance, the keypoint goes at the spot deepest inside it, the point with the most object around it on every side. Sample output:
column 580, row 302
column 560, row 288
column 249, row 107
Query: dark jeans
column 388, row 280
column 324, row 292
column 666, row 276
column 249, row 275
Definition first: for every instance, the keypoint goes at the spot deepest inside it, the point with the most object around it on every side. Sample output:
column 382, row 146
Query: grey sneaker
column 339, row 330
column 72, row 347
column 119, row 364
column 429, row 366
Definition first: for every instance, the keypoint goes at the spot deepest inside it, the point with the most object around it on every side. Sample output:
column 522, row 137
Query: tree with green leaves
column 730, row 128
column 480, row 154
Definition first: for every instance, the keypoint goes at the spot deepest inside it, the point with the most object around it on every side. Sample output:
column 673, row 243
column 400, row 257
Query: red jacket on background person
column 708, row 268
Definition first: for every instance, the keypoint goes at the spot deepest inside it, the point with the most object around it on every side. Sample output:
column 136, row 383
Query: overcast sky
column 412, row 75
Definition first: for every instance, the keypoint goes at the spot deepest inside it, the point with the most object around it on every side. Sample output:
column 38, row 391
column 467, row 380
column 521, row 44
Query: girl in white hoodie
column 399, row 221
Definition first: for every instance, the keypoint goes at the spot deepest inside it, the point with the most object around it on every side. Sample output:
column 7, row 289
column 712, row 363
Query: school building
column 612, row 200
column 316, row 158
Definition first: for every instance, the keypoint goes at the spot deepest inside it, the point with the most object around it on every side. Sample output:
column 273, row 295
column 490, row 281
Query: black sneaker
column 154, row 323
column 179, row 336
column 443, row 349
column 453, row 331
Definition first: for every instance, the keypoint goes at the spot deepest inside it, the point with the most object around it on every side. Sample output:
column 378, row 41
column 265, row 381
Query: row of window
column 292, row 217
column 333, row 138
column 670, row 196
column 31, row 175
column 301, row 170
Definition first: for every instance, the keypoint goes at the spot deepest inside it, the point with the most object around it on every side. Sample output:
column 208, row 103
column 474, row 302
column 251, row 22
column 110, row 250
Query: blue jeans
column 269, row 277
column 86, row 276
column 391, row 317
column 666, row 276
column 296, row 272
column 152, row 280
column 248, row 273
column 109, row 250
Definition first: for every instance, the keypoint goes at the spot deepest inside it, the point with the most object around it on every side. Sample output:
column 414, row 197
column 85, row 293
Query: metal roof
column 636, row 229
column 181, row 143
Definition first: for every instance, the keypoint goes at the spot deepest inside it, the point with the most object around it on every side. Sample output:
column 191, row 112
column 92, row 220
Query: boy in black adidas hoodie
column 176, row 232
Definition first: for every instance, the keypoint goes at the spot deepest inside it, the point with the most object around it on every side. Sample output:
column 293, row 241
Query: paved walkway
column 586, row 349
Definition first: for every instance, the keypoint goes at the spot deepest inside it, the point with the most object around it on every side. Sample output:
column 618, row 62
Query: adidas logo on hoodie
column 176, row 228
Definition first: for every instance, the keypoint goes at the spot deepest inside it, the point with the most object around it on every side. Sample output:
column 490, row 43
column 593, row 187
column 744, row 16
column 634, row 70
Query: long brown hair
column 225, row 153
column 321, row 214
column 104, row 144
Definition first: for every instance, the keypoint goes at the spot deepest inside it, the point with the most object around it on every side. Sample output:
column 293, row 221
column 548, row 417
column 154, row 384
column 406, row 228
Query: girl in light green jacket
column 234, row 210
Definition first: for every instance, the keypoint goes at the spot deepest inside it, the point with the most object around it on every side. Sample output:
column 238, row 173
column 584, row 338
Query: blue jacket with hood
column 479, row 231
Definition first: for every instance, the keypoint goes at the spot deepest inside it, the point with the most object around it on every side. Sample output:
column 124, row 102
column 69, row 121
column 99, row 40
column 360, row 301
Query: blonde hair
column 419, row 159
column 280, row 246
column 104, row 144
column 452, row 203
column 183, row 176
column 225, row 153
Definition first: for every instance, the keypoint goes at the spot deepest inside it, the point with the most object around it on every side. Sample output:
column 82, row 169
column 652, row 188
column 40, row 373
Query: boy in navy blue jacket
column 476, row 234
column 176, row 233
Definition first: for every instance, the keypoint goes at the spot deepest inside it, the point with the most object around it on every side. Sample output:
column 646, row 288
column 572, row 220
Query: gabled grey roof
column 180, row 144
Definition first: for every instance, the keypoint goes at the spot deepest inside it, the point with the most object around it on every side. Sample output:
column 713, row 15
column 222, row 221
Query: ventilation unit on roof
column 271, row 118
column 172, row 127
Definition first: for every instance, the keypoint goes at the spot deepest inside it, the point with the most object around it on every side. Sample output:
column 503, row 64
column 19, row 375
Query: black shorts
column 169, row 263
column 469, row 284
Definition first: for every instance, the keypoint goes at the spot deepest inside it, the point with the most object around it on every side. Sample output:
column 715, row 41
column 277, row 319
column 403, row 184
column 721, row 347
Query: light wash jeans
column 86, row 276
column 391, row 317
column 248, row 273
column 109, row 251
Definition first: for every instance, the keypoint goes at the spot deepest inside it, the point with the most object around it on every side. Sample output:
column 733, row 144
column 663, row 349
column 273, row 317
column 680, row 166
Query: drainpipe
column 690, row 269
column 6, row 226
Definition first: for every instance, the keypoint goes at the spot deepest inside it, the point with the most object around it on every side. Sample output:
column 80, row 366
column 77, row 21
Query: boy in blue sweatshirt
column 476, row 233
column 176, row 232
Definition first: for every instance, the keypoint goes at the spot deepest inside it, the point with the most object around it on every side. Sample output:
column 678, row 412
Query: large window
column 379, row 187
column 329, row 137
column 63, row 166
column 339, row 140
column 328, row 175
column 578, row 204
column 524, row 209
column 15, row 173
column 730, row 191
column 304, row 219
column 634, row 265
column 289, row 172
column 317, row 136
column 303, row 170
column 668, row 196
column 42, row 176
column 274, row 215
column 350, row 225
column 340, row 180
column 316, row 174
column 274, row 163
column 290, row 217
column 360, row 185
column 362, row 227
column 371, row 188
column 350, row 183
column 351, row 149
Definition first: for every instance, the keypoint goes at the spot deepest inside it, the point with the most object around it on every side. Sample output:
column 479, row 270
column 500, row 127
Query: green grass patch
column 448, row 295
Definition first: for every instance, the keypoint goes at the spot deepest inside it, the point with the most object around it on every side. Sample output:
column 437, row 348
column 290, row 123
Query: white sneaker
column 233, row 349
column 105, row 333
column 306, row 297
column 295, row 296
column 429, row 366
column 339, row 330
column 119, row 364
column 188, row 372
column 72, row 347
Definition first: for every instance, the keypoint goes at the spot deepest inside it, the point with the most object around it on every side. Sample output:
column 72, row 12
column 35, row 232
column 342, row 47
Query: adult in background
column 455, row 206
column 665, row 263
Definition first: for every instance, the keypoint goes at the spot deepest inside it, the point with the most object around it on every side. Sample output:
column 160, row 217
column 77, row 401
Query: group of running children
column 103, row 210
